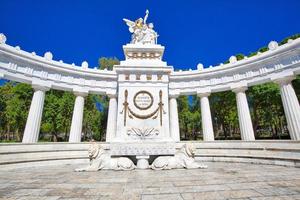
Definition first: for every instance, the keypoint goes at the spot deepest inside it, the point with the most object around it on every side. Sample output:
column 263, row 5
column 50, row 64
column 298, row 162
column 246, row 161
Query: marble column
column 245, row 122
column 32, row 128
column 111, row 127
column 207, row 126
column 174, row 123
column 76, row 126
column 291, row 106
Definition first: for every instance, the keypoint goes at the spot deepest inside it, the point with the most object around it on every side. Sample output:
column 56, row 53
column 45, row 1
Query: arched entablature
column 21, row 66
column 278, row 62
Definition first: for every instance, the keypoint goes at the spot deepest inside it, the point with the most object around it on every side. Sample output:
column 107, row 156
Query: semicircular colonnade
column 280, row 64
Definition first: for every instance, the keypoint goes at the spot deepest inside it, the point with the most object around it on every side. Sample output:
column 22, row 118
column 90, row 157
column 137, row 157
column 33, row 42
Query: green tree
column 108, row 63
column 266, row 109
column 52, row 117
column 224, row 115
column 189, row 117
column 17, row 107
column 66, row 106
column 92, row 124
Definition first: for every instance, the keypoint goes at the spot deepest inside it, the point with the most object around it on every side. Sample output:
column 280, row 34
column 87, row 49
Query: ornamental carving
column 142, row 133
column 143, row 100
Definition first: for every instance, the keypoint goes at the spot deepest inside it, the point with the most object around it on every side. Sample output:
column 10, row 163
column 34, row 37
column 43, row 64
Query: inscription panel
column 143, row 100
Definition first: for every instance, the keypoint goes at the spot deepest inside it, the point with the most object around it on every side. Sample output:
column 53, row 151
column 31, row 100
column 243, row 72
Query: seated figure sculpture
column 100, row 159
column 183, row 158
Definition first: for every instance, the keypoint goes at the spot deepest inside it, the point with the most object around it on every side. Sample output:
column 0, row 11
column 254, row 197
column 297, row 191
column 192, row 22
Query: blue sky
column 192, row 31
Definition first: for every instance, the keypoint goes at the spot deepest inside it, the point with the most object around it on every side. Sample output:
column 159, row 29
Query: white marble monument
column 142, row 90
column 143, row 126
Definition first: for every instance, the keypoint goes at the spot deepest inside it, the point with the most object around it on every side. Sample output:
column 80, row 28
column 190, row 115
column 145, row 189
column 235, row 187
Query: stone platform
column 220, row 181
column 274, row 152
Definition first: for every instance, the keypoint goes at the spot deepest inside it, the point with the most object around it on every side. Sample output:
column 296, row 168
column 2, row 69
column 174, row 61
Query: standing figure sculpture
column 142, row 33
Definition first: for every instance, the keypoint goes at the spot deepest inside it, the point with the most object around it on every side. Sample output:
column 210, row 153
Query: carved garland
column 142, row 116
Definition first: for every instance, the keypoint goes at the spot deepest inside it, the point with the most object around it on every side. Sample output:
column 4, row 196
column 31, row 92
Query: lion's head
column 189, row 149
column 94, row 150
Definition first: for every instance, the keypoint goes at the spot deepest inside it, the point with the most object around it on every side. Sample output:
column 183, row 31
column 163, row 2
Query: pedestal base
column 142, row 162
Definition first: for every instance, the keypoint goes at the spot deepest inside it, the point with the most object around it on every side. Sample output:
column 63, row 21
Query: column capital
column 284, row 80
column 239, row 89
column 40, row 88
column 80, row 92
column 40, row 85
column 112, row 96
column 111, row 93
column 173, row 96
column 204, row 94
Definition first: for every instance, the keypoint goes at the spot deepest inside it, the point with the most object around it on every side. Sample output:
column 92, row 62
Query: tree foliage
column 108, row 63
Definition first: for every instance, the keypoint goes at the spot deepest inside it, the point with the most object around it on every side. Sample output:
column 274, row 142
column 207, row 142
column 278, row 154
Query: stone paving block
column 278, row 191
column 251, row 185
column 202, row 196
column 239, row 194
column 162, row 196
column 29, row 192
column 286, row 197
column 283, row 183
column 104, row 191
column 39, row 198
column 202, row 188
column 81, row 198
column 66, row 192
column 160, row 190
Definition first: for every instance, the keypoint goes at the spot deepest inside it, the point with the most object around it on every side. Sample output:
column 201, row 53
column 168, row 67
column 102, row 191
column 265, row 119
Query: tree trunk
column 224, row 130
column 17, row 135
column 8, row 132
column 54, row 137
column 255, row 120
column 66, row 133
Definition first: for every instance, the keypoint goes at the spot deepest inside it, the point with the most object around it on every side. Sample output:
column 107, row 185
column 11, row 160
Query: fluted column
column 76, row 126
column 33, row 124
column 291, row 106
column 207, row 126
column 112, row 118
column 174, row 123
column 245, row 122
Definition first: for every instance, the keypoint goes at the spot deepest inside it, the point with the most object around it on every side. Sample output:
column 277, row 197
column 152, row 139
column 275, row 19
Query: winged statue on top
column 142, row 32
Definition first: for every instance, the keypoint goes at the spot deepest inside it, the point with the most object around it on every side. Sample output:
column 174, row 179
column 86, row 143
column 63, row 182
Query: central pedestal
column 143, row 97
column 143, row 126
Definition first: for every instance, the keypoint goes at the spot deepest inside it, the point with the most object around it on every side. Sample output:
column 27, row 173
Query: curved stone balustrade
column 41, row 154
column 282, row 61
column 21, row 66
column 279, row 61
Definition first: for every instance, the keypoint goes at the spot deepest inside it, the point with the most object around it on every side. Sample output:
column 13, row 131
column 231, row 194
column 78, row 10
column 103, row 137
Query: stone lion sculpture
column 100, row 159
column 183, row 158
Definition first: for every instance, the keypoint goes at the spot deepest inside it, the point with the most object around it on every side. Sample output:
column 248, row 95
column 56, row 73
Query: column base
column 142, row 162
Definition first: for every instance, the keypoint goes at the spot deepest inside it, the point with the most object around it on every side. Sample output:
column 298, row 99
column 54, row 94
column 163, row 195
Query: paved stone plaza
column 219, row 181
